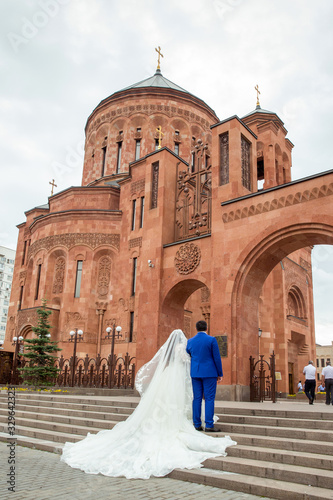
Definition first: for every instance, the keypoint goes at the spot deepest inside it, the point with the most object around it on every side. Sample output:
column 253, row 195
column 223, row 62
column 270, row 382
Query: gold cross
column 258, row 92
column 53, row 186
column 159, row 54
column 160, row 133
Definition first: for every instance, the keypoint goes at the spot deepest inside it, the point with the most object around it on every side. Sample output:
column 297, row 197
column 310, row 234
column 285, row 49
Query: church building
column 178, row 218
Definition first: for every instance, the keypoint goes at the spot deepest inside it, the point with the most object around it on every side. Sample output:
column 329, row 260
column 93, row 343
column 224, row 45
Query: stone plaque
column 222, row 341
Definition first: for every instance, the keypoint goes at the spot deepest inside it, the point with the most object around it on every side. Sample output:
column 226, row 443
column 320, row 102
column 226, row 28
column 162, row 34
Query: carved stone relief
column 187, row 258
column 70, row 240
column 104, row 274
column 59, row 275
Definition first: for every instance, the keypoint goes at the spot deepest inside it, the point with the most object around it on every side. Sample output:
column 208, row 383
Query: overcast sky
column 60, row 58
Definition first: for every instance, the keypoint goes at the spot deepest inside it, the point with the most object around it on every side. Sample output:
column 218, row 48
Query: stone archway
column 253, row 266
column 172, row 310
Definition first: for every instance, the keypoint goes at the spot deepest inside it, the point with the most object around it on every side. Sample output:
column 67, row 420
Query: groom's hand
column 219, row 379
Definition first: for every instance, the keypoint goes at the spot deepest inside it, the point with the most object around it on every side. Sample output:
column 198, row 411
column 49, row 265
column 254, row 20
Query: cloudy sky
column 60, row 58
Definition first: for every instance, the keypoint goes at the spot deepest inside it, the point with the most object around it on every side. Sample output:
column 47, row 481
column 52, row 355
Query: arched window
column 296, row 303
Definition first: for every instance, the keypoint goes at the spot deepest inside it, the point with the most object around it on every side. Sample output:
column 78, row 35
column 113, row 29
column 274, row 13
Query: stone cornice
column 278, row 202
column 74, row 215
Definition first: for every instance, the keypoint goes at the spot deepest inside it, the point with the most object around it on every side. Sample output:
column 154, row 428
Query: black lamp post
column 75, row 335
column 17, row 342
column 259, row 335
column 115, row 332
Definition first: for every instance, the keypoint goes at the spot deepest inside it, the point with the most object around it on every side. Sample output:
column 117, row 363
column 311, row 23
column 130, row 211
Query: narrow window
column 131, row 326
column 78, row 278
column 133, row 214
column 39, row 270
column 24, row 250
column 137, row 148
column 224, row 159
column 156, row 144
column 154, row 194
column 103, row 161
column 246, row 163
column 120, row 145
column 134, row 275
column 21, row 298
column 192, row 161
column 119, row 156
column 177, row 140
column 142, row 210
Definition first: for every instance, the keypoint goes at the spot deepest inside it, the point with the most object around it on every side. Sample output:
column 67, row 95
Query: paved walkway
column 40, row 475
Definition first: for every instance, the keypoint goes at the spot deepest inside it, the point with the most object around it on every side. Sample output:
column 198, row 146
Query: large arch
column 253, row 266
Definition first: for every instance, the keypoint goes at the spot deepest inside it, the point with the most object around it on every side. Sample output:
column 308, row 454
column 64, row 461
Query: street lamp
column 17, row 342
column 115, row 332
column 75, row 335
column 259, row 335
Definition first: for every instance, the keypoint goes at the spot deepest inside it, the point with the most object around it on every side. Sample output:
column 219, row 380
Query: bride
column 159, row 435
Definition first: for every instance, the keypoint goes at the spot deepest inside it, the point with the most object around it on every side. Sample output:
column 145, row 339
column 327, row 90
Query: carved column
column 100, row 310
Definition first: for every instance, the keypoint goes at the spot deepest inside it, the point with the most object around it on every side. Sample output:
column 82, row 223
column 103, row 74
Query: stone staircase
column 281, row 454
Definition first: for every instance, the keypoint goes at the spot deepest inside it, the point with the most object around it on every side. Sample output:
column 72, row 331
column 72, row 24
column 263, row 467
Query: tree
column 40, row 369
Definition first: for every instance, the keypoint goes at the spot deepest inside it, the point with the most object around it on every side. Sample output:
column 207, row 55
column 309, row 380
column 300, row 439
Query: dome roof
column 157, row 80
column 259, row 110
column 156, row 84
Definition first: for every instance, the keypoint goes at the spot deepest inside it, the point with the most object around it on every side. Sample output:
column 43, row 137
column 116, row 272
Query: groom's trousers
column 204, row 386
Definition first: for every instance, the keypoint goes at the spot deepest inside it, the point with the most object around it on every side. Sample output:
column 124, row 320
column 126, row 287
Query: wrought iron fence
column 262, row 379
column 85, row 372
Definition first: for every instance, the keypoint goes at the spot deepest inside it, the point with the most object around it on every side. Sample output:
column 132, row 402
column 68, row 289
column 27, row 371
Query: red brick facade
column 179, row 234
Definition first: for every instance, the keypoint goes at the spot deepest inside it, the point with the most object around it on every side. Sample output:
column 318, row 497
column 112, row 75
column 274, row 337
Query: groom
column 206, row 369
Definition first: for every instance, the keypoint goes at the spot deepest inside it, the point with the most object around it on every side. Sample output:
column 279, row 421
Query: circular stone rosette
column 187, row 258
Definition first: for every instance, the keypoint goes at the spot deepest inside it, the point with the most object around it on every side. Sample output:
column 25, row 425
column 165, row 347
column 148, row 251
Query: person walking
column 206, row 370
column 327, row 379
column 310, row 381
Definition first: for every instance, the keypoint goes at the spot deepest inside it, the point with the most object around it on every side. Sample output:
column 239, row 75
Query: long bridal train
column 159, row 435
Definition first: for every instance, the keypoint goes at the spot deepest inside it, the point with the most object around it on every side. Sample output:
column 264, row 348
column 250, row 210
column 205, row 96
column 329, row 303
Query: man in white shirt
column 327, row 379
column 310, row 381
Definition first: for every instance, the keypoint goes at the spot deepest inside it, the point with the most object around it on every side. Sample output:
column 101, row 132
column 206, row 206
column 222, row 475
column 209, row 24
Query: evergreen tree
column 40, row 369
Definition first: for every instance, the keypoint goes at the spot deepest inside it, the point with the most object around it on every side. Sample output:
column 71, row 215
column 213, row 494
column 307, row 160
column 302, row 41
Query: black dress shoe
column 211, row 429
column 199, row 428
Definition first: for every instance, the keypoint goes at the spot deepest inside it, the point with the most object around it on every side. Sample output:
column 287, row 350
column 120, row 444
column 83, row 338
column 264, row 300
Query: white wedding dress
column 159, row 435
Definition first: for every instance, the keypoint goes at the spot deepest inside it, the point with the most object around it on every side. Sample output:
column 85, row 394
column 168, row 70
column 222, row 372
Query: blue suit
column 206, row 366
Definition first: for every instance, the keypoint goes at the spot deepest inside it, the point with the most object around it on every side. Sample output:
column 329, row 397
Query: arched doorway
column 254, row 265
column 173, row 315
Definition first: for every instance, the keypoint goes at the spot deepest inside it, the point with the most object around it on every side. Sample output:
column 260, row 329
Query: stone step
column 284, row 432
column 38, row 444
column 87, row 420
column 79, row 412
column 315, row 412
column 37, row 400
column 276, row 443
column 53, row 430
column 280, row 472
column 275, row 421
column 300, row 459
column 44, row 435
column 270, row 488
